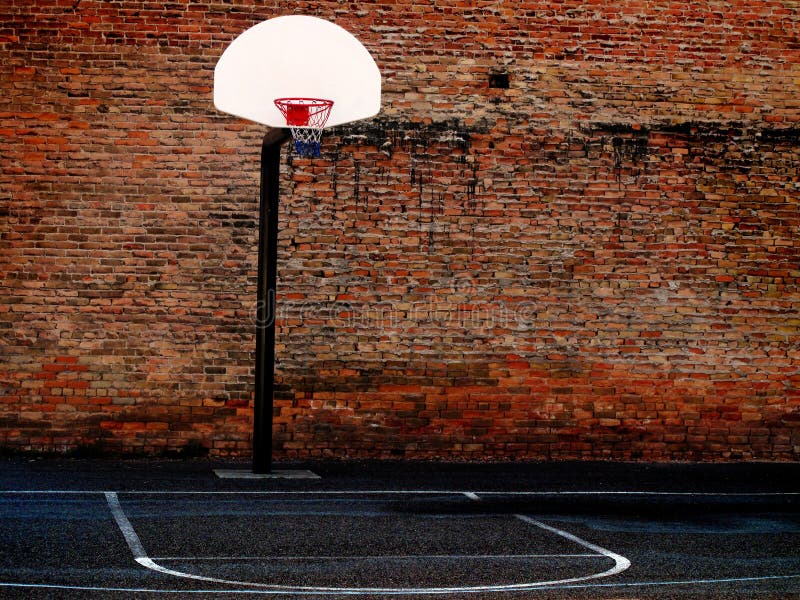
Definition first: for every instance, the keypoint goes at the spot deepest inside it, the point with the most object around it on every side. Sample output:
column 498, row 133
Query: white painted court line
column 137, row 549
column 620, row 562
column 377, row 558
column 133, row 541
column 140, row 556
column 467, row 493
column 421, row 591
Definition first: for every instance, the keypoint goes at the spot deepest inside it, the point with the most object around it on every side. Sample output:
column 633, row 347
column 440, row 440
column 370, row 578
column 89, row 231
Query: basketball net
column 306, row 118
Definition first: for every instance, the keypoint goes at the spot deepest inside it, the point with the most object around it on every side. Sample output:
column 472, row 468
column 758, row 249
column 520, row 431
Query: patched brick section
column 599, row 260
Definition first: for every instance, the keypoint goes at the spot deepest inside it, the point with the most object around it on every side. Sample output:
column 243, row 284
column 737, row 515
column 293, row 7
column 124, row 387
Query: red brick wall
column 600, row 261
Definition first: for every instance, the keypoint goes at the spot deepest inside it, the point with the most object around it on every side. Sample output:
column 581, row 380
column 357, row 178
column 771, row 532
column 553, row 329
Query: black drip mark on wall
column 356, row 181
column 384, row 176
column 413, row 172
column 419, row 163
column 334, row 157
column 418, row 182
column 472, row 185
column 633, row 150
column 437, row 210
column 440, row 203
column 428, row 146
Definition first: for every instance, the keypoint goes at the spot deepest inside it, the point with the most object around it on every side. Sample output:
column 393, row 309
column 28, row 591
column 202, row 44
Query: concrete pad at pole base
column 276, row 474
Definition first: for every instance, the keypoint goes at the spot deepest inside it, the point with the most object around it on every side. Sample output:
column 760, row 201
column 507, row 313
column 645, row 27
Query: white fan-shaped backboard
column 296, row 56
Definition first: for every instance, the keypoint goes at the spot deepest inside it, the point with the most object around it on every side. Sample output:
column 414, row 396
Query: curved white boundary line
column 140, row 556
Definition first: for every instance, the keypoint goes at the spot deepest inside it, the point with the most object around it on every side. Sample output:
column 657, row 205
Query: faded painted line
column 137, row 549
column 620, row 562
column 378, row 558
column 139, row 554
column 133, row 541
column 361, row 492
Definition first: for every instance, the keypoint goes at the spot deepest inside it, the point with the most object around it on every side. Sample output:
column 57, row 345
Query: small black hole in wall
column 499, row 80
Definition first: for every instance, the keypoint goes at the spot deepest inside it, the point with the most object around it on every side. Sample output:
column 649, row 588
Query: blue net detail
column 307, row 141
column 307, row 149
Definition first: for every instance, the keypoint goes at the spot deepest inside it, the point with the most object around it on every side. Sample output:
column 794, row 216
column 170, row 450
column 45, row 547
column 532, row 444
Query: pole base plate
column 275, row 474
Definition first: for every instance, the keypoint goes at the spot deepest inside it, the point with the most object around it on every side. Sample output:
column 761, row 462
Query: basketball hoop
column 306, row 117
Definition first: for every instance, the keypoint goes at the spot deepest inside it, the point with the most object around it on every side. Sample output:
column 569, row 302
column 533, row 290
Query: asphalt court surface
column 92, row 529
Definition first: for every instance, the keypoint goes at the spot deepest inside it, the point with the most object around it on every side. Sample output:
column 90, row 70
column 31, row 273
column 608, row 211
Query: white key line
column 378, row 557
column 137, row 549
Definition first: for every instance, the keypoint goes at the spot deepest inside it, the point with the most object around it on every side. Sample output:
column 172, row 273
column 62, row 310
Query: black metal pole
column 265, row 300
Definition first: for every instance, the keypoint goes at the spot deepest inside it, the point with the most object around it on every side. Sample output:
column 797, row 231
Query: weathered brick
column 600, row 261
